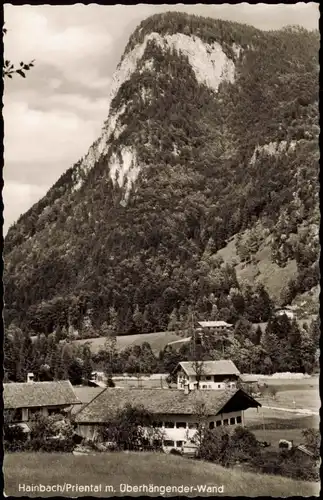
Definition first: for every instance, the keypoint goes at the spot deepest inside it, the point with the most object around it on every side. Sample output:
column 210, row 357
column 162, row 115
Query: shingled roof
column 85, row 395
column 221, row 367
column 157, row 401
column 37, row 394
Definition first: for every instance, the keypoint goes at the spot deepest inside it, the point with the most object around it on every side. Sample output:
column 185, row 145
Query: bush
column 272, row 391
column 224, row 446
column 14, row 437
column 213, row 445
column 110, row 382
column 174, row 451
column 287, row 463
column 132, row 428
column 52, row 434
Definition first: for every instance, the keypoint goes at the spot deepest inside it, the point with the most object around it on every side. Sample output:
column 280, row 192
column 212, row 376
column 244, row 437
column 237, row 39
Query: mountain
column 211, row 140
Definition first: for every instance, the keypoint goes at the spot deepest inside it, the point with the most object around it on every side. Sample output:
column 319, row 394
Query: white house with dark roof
column 216, row 375
column 27, row 398
column 216, row 325
column 288, row 311
column 177, row 413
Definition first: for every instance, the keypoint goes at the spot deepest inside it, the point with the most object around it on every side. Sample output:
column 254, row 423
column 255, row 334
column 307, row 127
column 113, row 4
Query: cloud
column 55, row 134
column 70, row 46
column 24, row 196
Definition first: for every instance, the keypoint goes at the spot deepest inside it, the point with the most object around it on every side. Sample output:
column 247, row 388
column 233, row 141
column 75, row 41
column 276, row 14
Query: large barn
column 176, row 412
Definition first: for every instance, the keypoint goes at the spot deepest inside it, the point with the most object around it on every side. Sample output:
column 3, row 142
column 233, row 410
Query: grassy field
column 272, row 425
column 262, row 270
column 279, row 419
column 291, row 394
column 135, row 469
column 157, row 341
column 273, row 436
column 300, row 394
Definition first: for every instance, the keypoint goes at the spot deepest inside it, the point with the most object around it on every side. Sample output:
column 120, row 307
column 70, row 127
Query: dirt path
column 299, row 411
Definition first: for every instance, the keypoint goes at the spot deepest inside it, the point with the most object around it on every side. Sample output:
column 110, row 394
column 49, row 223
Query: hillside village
column 199, row 389
column 197, row 397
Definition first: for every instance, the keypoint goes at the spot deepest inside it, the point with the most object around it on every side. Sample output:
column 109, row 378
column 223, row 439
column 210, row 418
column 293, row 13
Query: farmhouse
column 289, row 312
column 27, row 398
column 210, row 374
column 217, row 326
column 176, row 413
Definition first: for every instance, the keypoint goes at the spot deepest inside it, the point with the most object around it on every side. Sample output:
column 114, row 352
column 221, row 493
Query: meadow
column 271, row 425
column 157, row 341
column 115, row 469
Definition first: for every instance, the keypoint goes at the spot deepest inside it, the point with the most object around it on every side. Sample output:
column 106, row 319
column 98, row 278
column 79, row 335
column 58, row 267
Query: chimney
column 186, row 388
column 30, row 377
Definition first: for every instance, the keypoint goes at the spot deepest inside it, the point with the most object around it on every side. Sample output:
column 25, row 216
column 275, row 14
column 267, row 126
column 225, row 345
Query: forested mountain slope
column 211, row 132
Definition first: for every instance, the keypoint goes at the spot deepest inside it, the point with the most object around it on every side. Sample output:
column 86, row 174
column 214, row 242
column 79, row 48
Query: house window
column 219, row 386
column 33, row 411
column 52, row 411
column 158, row 424
column 208, row 377
column 211, row 425
column 232, row 421
column 169, row 443
column 239, row 419
column 17, row 415
column 192, row 426
column 204, row 386
column 169, row 425
column 225, row 421
column 179, row 444
column 218, row 423
column 180, row 425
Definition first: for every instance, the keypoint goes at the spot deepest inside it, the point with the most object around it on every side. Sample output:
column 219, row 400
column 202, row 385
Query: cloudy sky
column 54, row 115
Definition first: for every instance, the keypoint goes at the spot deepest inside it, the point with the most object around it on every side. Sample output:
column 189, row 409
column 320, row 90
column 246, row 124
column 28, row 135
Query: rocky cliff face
column 211, row 133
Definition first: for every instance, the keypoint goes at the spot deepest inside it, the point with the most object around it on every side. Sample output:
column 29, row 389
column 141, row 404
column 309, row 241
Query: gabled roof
column 221, row 367
column 214, row 324
column 37, row 394
column 85, row 395
column 159, row 402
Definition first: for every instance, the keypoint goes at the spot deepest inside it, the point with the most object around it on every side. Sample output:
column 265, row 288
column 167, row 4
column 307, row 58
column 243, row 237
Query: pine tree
column 308, row 350
column 60, row 368
column 87, row 364
column 111, row 354
column 75, row 371
column 173, row 324
column 315, row 331
column 113, row 320
column 295, row 355
column 147, row 324
column 9, row 357
column 66, row 359
column 258, row 336
column 276, row 349
column 138, row 319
